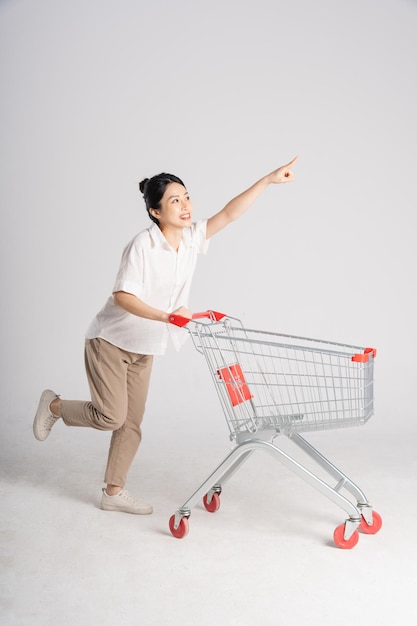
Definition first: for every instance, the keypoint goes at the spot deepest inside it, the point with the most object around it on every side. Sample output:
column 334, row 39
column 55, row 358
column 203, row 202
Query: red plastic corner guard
column 364, row 358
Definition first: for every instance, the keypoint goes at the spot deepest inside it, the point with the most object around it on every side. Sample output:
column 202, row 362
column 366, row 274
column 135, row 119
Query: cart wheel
column 214, row 504
column 341, row 542
column 182, row 529
column 375, row 526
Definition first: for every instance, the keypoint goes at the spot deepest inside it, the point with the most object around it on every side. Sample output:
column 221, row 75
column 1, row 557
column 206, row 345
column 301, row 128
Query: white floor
column 265, row 558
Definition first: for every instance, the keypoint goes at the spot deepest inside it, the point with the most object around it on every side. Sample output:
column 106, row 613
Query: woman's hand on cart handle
column 178, row 319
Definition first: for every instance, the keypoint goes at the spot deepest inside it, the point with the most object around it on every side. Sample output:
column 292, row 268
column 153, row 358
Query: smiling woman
column 173, row 211
column 153, row 281
column 153, row 190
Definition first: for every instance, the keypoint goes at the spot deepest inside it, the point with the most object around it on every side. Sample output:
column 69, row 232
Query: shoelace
column 126, row 496
column 50, row 421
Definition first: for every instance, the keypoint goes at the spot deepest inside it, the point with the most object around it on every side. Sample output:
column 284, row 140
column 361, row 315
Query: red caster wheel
column 214, row 504
column 182, row 529
column 341, row 542
column 375, row 526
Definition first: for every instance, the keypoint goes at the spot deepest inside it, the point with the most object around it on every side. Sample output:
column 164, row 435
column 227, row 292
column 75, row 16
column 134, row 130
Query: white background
column 98, row 94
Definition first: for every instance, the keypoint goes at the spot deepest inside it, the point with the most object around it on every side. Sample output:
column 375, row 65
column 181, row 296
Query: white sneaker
column 44, row 418
column 125, row 503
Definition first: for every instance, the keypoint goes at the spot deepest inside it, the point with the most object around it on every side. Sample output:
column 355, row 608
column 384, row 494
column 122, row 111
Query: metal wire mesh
column 282, row 382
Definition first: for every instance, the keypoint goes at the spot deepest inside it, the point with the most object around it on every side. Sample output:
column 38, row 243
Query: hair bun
column 142, row 185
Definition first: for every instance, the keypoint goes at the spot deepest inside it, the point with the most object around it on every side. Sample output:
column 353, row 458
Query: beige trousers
column 119, row 382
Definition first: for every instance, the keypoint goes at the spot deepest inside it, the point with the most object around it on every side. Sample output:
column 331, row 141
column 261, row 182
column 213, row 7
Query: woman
column 154, row 280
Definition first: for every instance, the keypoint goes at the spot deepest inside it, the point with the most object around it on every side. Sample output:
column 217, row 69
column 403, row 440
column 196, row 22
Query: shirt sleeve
column 130, row 275
column 199, row 236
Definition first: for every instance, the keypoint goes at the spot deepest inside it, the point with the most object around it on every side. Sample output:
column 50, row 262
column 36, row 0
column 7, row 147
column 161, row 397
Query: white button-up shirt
column 160, row 276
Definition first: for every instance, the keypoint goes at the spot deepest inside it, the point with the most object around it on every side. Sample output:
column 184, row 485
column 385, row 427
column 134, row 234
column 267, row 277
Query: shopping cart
column 272, row 384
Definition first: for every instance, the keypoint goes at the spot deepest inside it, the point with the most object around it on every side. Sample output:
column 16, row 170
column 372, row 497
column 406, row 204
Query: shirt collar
column 159, row 240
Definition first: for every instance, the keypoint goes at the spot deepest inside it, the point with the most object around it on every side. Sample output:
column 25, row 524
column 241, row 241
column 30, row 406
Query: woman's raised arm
column 236, row 207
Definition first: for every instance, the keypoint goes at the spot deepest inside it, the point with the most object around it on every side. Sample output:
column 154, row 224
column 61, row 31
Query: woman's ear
column 155, row 213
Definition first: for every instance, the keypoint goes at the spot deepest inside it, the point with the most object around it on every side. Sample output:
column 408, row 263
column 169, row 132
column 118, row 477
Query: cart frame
column 272, row 385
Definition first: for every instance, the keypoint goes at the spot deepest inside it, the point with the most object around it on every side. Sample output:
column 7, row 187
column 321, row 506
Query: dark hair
column 154, row 188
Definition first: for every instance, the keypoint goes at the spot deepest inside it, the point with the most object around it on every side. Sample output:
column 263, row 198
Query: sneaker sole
column 43, row 406
column 106, row 507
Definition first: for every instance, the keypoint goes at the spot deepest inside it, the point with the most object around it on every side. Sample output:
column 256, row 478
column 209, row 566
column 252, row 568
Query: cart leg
column 217, row 488
column 312, row 479
column 343, row 481
column 219, row 476
column 371, row 521
column 232, row 469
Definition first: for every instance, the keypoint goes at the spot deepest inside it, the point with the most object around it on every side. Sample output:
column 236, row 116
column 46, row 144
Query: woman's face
column 176, row 209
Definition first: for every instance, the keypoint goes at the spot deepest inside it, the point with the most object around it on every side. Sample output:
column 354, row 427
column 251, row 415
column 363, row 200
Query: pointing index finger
column 291, row 163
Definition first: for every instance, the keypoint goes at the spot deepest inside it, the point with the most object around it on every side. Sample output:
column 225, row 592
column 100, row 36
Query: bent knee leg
column 109, row 420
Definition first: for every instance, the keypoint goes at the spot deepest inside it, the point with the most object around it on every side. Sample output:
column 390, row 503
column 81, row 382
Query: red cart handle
column 179, row 320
